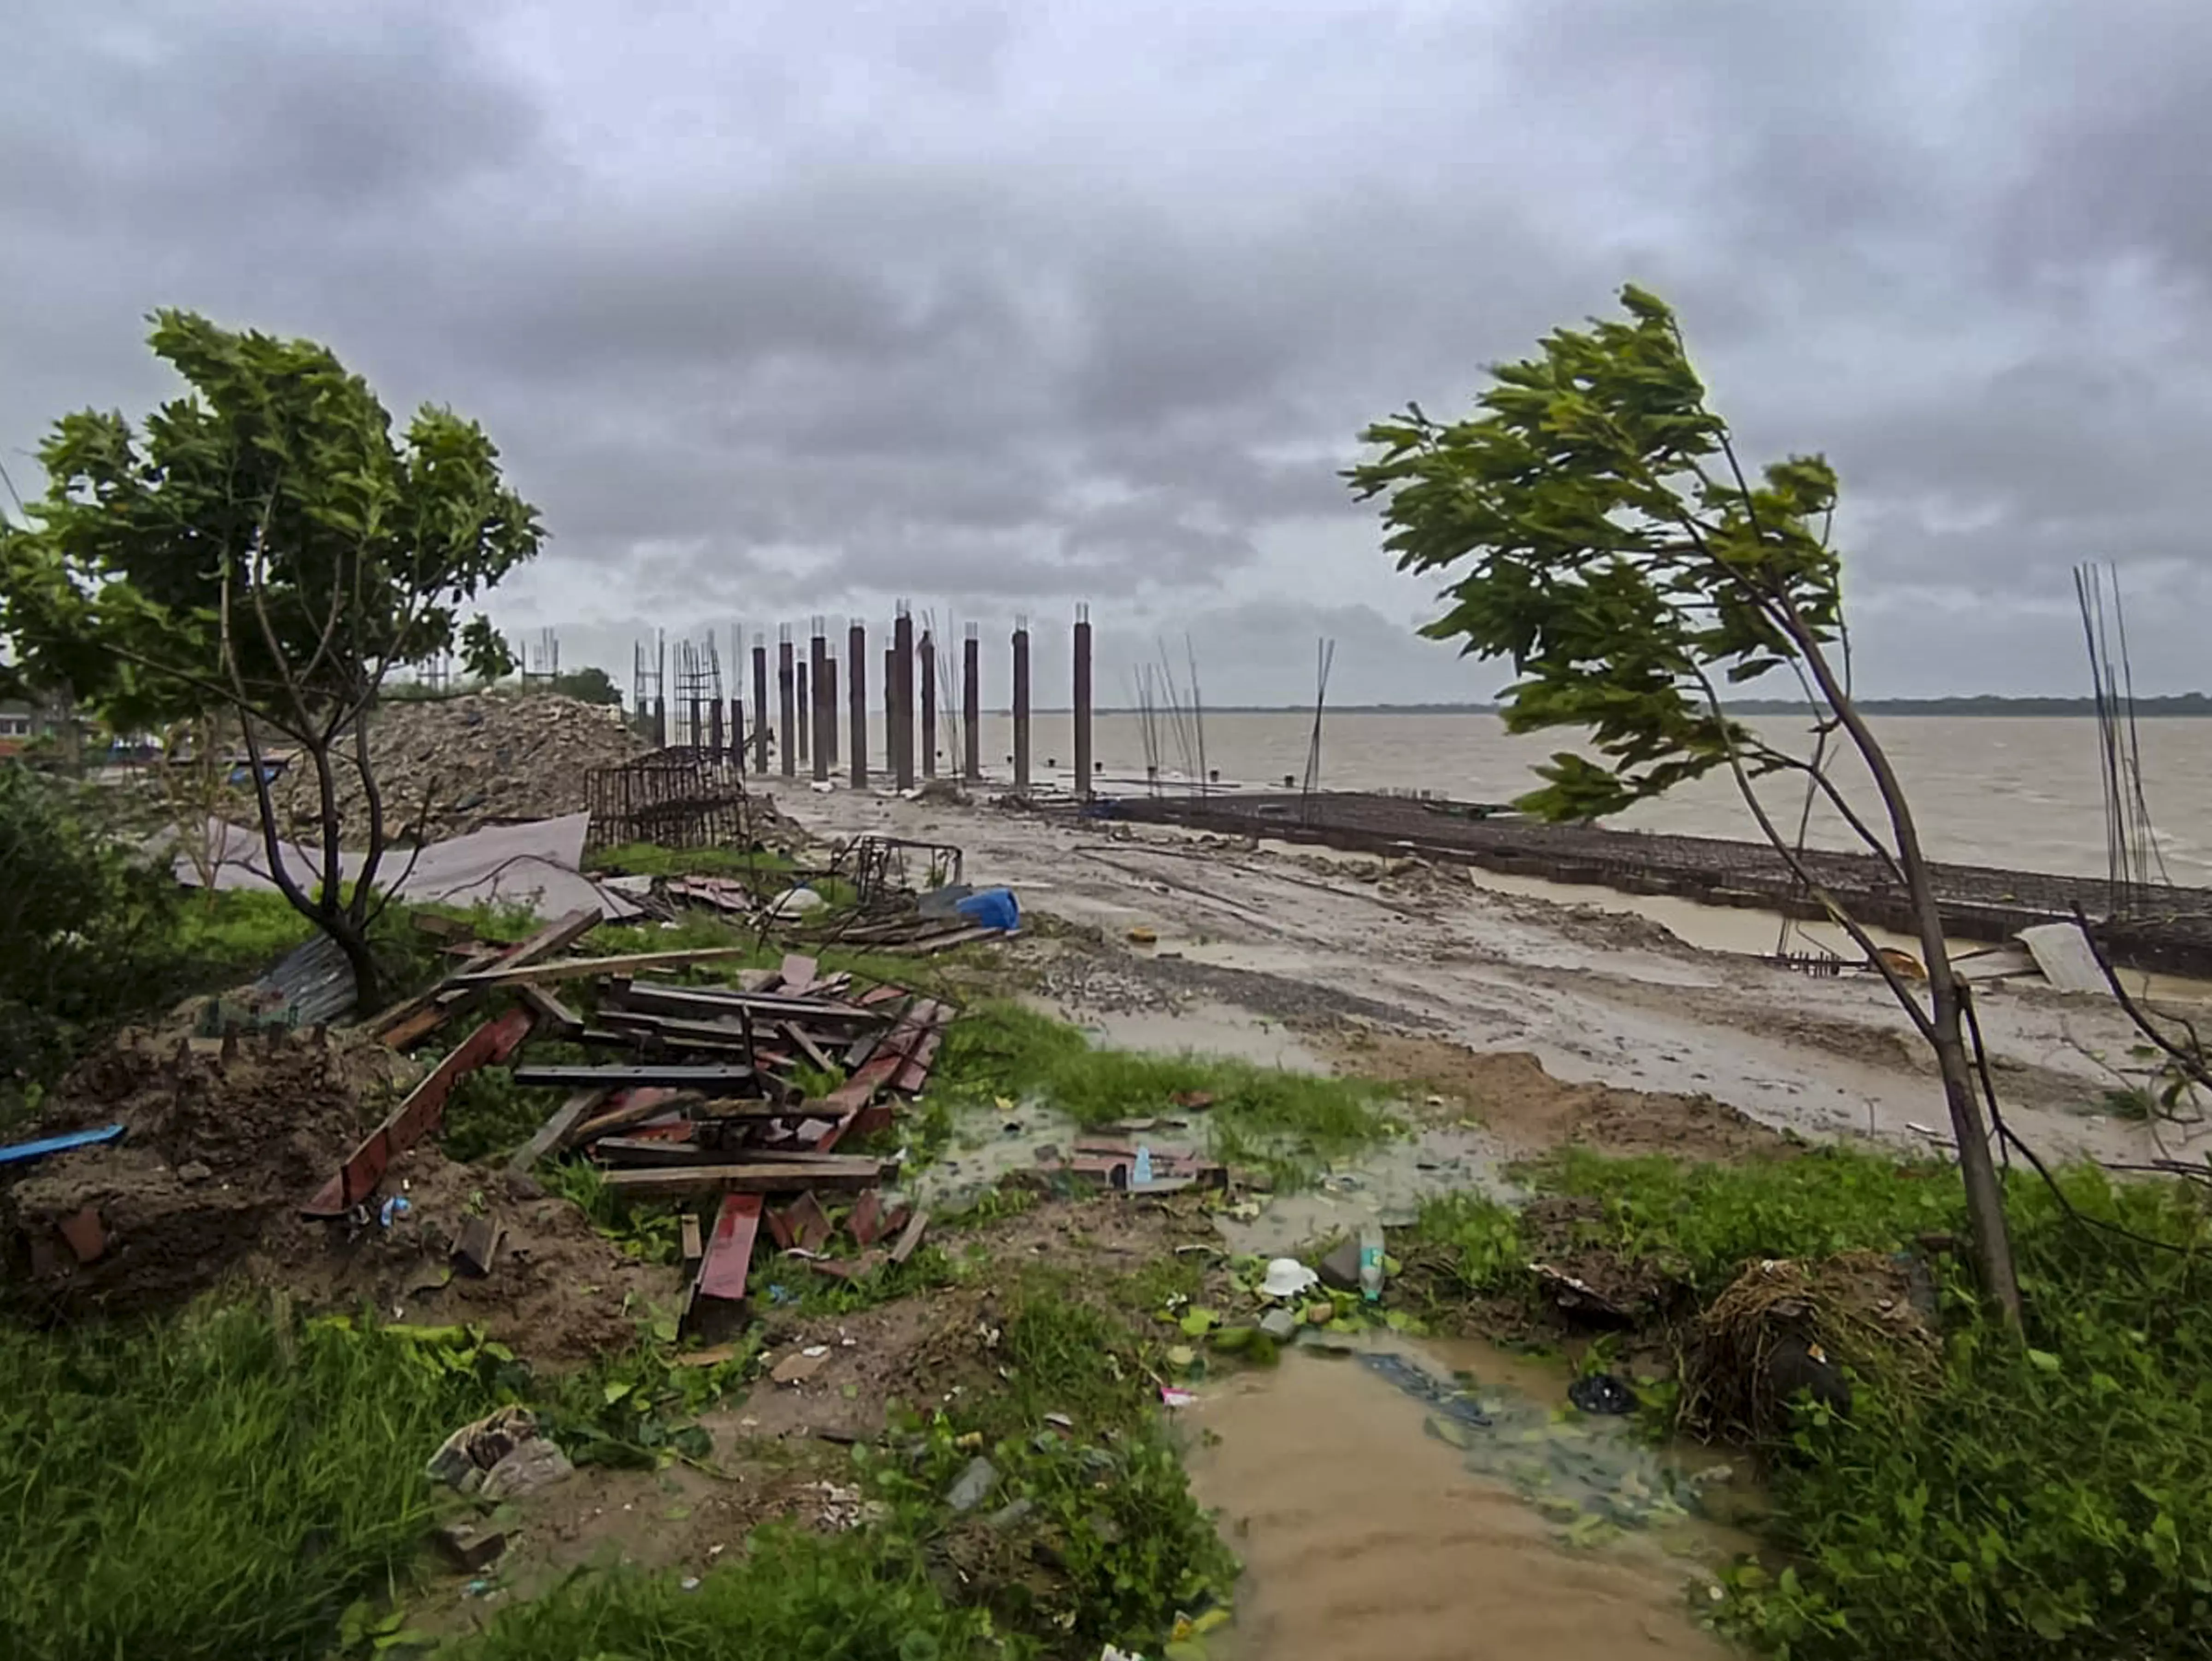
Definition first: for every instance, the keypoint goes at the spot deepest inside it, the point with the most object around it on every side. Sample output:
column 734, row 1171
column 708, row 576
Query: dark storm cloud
column 778, row 309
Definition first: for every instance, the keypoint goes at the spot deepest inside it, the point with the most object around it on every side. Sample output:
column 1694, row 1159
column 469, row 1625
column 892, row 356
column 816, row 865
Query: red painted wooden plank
column 867, row 1217
column 416, row 1116
column 729, row 1257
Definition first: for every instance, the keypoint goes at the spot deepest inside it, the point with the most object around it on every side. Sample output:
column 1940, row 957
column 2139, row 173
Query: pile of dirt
column 484, row 758
column 218, row 1153
column 215, row 1149
column 1513, row 1097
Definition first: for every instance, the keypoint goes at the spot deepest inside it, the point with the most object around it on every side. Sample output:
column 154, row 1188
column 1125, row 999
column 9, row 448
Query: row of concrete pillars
column 808, row 727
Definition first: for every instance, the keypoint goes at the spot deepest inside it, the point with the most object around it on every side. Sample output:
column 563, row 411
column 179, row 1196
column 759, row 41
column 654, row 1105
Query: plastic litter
column 1170, row 1397
column 393, row 1209
column 1446, row 1398
column 1287, row 1278
column 1142, row 1175
column 796, row 902
column 1371, row 1261
column 1601, row 1392
column 993, row 908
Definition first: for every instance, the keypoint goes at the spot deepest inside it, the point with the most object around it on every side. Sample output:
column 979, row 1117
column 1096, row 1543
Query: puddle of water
column 1199, row 1028
column 1385, row 1182
column 1372, row 1523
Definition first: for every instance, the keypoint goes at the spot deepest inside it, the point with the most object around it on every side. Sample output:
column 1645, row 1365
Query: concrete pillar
column 738, row 721
column 817, row 658
column 786, row 714
column 972, row 707
column 760, row 703
column 856, row 694
column 926, row 647
column 890, row 712
column 696, row 737
column 1022, row 706
column 1082, row 703
column 802, row 701
column 902, row 699
column 660, row 723
column 714, row 730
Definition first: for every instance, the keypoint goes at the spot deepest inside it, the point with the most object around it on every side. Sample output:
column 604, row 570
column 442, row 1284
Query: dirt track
column 1598, row 997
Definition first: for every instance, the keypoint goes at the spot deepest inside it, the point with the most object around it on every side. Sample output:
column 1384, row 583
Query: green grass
column 1285, row 1122
column 2047, row 1500
column 213, row 1488
column 1108, row 1507
column 858, row 1597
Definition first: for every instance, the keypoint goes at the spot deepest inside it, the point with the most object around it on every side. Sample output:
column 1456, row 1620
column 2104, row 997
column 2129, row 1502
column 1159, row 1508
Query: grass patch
column 213, row 1489
column 1288, row 1123
column 1090, row 1536
column 2045, row 1499
column 857, row 1597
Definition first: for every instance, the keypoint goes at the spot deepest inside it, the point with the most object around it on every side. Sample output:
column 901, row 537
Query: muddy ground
column 1597, row 996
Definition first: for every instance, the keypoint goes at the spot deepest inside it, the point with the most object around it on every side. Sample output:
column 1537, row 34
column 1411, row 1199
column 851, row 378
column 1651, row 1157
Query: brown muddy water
column 1370, row 1524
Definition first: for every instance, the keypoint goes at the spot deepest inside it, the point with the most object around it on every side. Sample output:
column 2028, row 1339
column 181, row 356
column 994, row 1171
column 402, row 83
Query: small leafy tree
column 264, row 547
column 86, row 928
column 1601, row 533
column 589, row 684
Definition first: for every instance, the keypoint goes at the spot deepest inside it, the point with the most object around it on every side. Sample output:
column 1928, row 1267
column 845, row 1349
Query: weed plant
column 2046, row 1499
column 215, row 1489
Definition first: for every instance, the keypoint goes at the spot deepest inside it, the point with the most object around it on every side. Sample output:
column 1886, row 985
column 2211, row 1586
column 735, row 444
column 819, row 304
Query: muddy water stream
column 1373, row 1523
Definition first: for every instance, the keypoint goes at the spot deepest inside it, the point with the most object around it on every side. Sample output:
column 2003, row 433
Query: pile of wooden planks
column 732, row 1096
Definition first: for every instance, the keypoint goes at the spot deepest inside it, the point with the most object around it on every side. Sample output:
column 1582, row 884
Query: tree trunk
column 1992, row 1237
column 368, row 983
column 1985, row 1214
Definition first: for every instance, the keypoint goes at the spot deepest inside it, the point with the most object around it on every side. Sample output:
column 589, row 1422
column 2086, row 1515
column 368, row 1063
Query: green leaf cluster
column 271, row 506
column 1599, row 534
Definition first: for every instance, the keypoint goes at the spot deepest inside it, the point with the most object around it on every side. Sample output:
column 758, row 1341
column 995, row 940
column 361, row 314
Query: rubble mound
column 216, row 1148
column 205, row 1188
column 482, row 758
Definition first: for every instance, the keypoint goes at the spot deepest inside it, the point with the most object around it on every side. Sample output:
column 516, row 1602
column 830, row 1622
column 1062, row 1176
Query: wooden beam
column 564, row 1119
column 842, row 1175
column 729, row 1253
column 550, row 1010
column 416, row 1116
column 570, row 969
column 724, row 1078
column 911, row 1238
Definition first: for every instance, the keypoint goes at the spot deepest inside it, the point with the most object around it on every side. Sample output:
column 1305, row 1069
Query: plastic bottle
column 1371, row 1261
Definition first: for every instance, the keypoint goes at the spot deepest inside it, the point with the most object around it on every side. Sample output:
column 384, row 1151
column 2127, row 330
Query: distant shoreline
column 2185, row 703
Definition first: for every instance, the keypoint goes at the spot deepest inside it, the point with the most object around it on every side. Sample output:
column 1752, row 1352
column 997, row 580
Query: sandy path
column 1597, row 996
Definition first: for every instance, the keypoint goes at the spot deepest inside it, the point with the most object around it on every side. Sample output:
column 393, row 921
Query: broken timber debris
column 705, row 1105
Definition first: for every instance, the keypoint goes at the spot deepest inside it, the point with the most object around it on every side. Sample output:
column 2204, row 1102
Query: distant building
column 22, row 725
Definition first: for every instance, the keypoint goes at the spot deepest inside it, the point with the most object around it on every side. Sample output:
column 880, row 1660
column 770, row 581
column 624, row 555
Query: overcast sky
column 778, row 309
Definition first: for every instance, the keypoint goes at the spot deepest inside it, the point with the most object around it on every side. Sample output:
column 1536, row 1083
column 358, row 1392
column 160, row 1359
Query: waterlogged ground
column 1370, row 1522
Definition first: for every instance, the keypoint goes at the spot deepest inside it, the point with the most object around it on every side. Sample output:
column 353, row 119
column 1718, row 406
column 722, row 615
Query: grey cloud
column 780, row 309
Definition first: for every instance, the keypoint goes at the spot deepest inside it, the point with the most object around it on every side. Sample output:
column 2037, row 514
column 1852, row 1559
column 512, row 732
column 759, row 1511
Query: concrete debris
column 482, row 759
column 538, row 1463
column 470, row 1546
column 974, row 1485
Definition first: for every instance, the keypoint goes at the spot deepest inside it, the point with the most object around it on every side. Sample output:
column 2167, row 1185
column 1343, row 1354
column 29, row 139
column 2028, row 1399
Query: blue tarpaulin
column 24, row 1152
